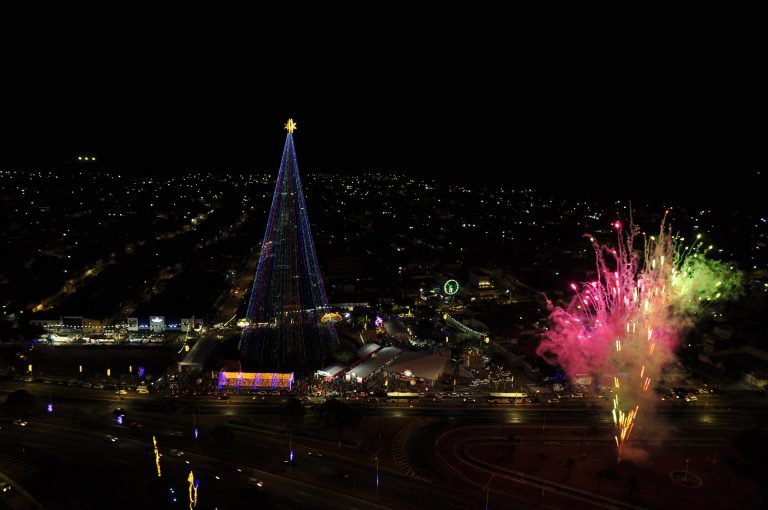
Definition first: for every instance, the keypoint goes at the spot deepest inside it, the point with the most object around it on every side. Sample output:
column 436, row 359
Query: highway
column 124, row 472
column 711, row 411
column 66, row 452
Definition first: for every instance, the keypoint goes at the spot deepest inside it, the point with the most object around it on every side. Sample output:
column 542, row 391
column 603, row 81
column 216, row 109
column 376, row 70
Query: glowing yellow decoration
column 331, row 317
column 192, row 491
column 257, row 379
column 157, row 456
column 290, row 126
column 81, row 368
column 109, row 372
column 29, row 368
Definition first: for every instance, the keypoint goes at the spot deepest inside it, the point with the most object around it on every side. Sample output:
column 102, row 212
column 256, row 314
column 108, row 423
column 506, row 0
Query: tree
column 336, row 415
column 342, row 356
column 221, row 436
column 20, row 402
column 424, row 328
column 31, row 331
column 570, row 464
column 609, row 473
column 499, row 360
column 292, row 413
column 632, row 487
column 512, row 440
column 749, row 445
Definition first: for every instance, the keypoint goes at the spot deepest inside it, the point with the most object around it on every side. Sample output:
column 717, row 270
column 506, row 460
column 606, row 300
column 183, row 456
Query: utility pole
column 488, row 490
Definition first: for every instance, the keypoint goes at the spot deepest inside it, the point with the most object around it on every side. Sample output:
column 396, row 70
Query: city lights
column 506, row 314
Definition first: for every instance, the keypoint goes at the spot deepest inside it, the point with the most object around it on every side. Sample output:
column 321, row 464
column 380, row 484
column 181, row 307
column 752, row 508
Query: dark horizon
column 625, row 121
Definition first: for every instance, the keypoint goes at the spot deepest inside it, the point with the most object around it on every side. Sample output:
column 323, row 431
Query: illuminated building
column 160, row 323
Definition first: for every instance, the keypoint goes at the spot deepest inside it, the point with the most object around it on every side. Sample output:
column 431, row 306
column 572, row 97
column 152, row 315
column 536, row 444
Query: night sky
column 628, row 121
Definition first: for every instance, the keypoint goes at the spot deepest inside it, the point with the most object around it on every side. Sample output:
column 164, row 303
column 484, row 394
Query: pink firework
column 627, row 323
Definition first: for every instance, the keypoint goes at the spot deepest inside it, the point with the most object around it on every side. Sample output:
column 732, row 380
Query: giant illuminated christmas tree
column 286, row 331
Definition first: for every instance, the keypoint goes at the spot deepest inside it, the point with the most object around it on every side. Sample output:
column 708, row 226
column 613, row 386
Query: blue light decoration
column 378, row 322
column 120, row 420
column 291, row 456
column 50, row 408
column 141, row 371
column 195, row 432
column 285, row 332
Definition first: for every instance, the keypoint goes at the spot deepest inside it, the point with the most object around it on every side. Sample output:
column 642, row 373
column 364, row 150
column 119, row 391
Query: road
column 88, row 468
column 717, row 411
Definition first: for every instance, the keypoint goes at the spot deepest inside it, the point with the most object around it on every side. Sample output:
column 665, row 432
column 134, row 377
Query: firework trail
column 628, row 322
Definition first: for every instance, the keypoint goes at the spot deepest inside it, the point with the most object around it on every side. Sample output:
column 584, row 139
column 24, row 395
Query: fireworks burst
column 627, row 323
